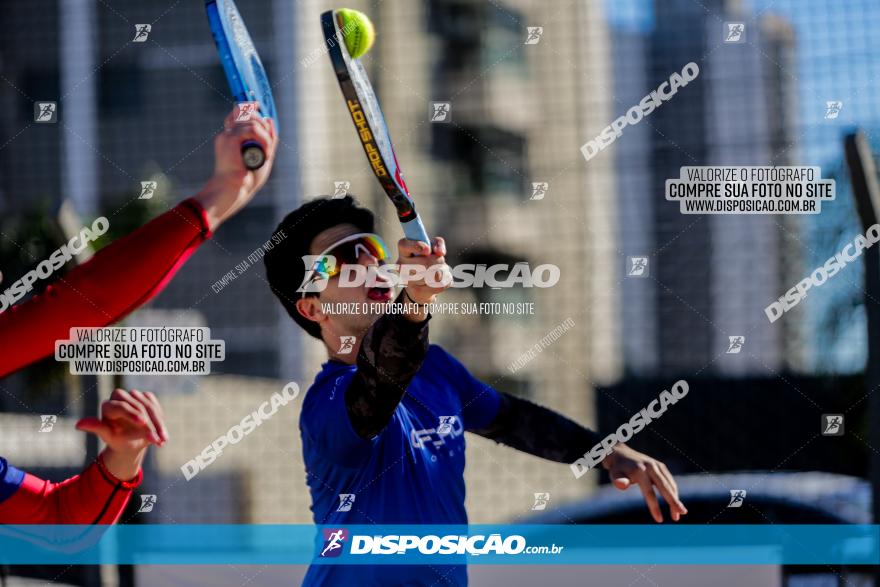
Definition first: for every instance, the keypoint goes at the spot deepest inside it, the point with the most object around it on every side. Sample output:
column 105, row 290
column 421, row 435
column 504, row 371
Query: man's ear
column 310, row 309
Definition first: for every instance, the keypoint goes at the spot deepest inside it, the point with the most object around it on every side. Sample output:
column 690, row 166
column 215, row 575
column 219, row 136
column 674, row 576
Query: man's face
column 372, row 297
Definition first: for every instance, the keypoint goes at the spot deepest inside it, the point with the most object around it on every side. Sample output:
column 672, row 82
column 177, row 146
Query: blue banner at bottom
column 475, row 544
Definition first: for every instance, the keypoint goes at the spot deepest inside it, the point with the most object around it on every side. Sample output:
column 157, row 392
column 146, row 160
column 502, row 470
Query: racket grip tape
column 415, row 230
column 252, row 155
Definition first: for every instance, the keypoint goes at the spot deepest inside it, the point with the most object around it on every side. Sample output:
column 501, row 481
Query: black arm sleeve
column 391, row 354
column 531, row 428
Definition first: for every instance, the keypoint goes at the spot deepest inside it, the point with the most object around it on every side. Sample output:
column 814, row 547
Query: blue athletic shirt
column 410, row 473
column 10, row 480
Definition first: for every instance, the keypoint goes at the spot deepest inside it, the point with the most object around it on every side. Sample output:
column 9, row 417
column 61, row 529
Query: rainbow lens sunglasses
column 345, row 252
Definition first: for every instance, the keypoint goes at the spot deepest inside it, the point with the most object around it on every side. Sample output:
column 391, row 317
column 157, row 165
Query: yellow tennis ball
column 357, row 30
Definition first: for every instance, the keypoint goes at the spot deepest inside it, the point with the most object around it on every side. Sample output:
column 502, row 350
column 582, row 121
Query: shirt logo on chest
column 448, row 428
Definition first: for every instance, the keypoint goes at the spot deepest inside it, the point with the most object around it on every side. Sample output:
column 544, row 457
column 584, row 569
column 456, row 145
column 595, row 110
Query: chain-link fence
column 646, row 294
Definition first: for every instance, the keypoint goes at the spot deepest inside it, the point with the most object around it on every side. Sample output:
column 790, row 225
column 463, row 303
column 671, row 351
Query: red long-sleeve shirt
column 113, row 283
column 92, row 497
column 116, row 281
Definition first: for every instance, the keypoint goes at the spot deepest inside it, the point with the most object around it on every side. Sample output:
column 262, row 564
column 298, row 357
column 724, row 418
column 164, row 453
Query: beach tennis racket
column 363, row 107
column 243, row 68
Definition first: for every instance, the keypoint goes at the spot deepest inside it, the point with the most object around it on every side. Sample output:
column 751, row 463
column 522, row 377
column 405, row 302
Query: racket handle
column 415, row 230
column 252, row 155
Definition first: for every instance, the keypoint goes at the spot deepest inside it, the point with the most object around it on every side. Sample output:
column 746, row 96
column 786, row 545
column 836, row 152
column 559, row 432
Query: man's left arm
column 536, row 430
column 130, row 421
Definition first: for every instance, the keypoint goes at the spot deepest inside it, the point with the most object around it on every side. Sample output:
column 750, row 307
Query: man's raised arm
column 394, row 348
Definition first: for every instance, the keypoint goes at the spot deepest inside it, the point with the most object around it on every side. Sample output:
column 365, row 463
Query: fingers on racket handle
column 252, row 155
column 415, row 230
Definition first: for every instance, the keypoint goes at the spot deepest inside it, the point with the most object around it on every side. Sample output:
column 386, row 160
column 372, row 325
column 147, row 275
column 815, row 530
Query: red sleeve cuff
column 199, row 211
column 112, row 480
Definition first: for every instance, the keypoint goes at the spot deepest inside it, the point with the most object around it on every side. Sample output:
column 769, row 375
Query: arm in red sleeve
column 92, row 497
column 113, row 283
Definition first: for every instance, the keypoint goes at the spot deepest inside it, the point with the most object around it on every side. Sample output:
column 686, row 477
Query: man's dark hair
column 285, row 269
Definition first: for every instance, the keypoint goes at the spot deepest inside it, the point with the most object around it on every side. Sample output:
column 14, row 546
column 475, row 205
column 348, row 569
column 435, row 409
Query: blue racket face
column 241, row 62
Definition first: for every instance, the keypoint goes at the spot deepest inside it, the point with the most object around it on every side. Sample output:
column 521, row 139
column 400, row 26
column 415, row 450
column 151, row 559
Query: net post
column 866, row 191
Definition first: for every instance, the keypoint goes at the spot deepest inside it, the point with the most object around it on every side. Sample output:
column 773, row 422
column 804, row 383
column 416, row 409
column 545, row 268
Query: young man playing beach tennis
column 385, row 418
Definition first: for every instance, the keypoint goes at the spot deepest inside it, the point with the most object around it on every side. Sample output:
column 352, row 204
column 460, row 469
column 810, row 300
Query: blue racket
column 243, row 68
